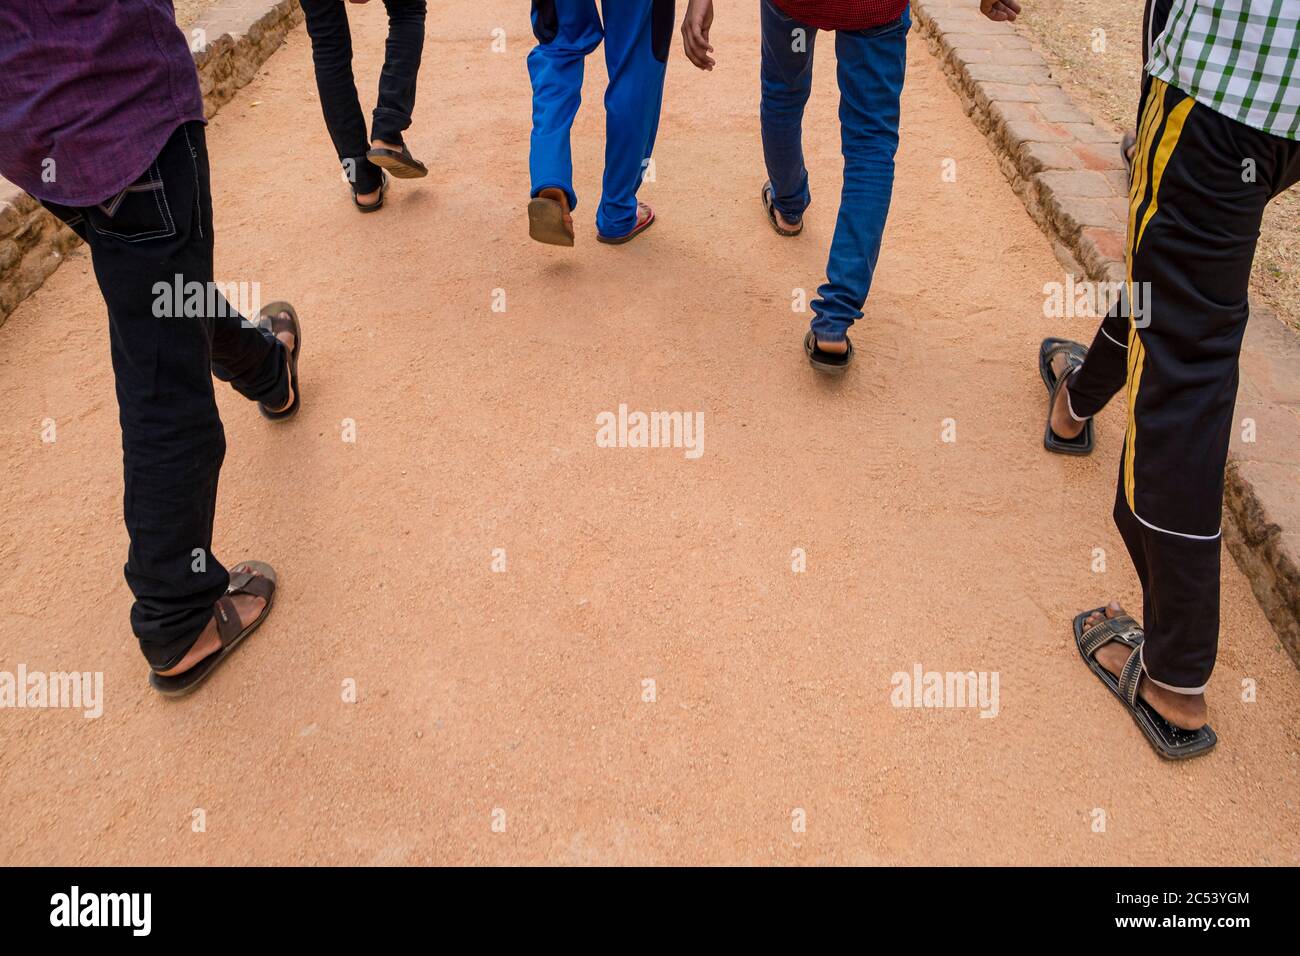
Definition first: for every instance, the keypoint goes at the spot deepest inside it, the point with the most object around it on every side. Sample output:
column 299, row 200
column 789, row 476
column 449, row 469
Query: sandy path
column 521, row 691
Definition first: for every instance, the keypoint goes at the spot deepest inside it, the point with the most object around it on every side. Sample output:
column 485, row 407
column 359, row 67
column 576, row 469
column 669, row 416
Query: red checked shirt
column 843, row 14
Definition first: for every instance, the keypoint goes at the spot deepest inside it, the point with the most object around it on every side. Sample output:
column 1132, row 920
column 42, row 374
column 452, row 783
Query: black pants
column 155, row 235
column 331, row 49
column 1200, row 185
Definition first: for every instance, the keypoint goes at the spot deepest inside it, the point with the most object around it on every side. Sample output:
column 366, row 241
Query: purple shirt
column 95, row 86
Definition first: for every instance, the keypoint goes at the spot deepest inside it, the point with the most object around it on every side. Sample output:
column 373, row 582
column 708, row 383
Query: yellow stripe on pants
column 1173, row 130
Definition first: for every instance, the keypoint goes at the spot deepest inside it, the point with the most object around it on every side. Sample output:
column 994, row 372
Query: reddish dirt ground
column 521, row 691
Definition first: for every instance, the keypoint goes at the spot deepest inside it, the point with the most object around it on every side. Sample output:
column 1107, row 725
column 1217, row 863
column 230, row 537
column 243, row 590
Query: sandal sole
column 546, row 222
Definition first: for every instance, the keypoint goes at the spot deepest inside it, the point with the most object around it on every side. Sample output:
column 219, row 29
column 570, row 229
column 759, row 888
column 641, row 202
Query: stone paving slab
column 1068, row 171
column 230, row 43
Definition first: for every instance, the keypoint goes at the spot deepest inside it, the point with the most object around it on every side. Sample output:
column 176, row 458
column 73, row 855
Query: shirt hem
column 96, row 198
column 1169, row 75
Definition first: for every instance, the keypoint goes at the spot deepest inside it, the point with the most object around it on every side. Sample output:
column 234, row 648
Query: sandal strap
column 1131, row 676
column 1063, row 379
column 227, row 618
column 279, row 322
column 1122, row 628
column 244, row 581
column 1075, row 354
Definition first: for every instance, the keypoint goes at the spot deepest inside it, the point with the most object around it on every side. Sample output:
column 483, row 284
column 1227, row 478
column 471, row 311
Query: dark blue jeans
column 871, row 64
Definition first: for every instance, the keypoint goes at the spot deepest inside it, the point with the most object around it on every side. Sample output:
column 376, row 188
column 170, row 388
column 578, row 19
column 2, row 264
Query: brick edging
column 1067, row 170
column 231, row 42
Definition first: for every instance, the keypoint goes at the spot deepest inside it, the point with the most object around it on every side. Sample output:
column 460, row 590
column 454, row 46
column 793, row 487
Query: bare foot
column 834, row 348
column 1063, row 423
column 370, row 198
column 287, row 339
column 247, row 606
column 381, row 144
column 1187, row 711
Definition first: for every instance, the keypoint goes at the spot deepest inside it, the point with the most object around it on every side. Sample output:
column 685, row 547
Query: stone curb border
column 1069, row 173
column 33, row 243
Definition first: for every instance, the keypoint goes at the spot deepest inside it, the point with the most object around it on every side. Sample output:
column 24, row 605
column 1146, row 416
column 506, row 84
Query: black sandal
column 769, row 204
column 271, row 320
column 1172, row 743
column 251, row 577
column 399, row 162
column 1080, row 444
column 832, row 363
column 378, row 204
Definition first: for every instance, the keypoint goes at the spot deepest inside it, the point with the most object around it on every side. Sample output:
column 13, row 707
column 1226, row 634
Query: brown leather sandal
column 251, row 577
column 272, row 319
column 399, row 162
column 549, row 220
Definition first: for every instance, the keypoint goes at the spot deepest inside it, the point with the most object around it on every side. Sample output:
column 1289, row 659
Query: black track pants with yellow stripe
column 1200, row 184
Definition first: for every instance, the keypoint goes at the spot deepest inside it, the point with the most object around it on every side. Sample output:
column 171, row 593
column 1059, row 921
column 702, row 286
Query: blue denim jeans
column 871, row 64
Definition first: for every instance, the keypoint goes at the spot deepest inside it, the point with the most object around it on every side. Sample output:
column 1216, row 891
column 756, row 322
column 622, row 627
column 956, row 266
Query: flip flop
column 378, row 204
column 269, row 320
column 1080, row 444
column 769, row 204
column 399, row 162
column 546, row 222
column 250, row 577
column 832, row 363
column 1172, row 743
column 641, row 226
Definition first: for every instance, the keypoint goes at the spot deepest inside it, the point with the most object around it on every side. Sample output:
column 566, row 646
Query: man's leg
column 786, row 81
column 250, row 359
column 637, row 39
column 871, row 68
column 566, row 31
column 1193, row 224
column 1105, row 369
column 143, row 244
column 331, row 50
column 1099, row 378
column 402, row 54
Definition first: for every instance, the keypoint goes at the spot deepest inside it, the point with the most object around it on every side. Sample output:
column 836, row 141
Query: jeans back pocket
column 138, row 212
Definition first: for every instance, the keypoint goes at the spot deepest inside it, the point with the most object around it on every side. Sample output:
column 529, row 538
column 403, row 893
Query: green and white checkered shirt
column 1240, row 58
